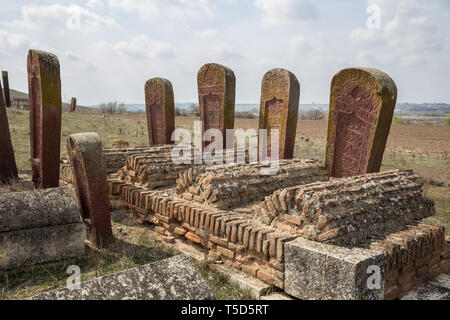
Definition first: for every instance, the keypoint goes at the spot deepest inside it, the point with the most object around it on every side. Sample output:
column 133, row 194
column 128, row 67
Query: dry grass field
column 425, row 149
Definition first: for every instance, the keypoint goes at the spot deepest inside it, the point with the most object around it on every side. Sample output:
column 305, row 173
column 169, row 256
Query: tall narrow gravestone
column 6, row 89
column 362, row 103
column 44, row 87
column 216, row 95
column 73, row 104
column 8, row 168
column 160, row 107
column 85, row 153
column 280, row 94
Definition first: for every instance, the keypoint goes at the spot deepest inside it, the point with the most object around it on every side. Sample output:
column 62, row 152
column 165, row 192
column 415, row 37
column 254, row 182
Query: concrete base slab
column 319, row 271
column 176, row 278
column 41, row 245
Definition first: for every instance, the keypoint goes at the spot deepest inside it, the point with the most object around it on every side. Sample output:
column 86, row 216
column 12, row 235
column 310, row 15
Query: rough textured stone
column 350, row 210
column 216, row 95
column 44, row 87
column 8, row 168
column 280, row 94
column 176, row 278
column 38, row 208
column 6, row 89
column 73, row 104
column 160, row 106
column 226, row 186
column 438, row 289
column 319, row 271
column 85, row 153
column 362, row 103
column 41, row 245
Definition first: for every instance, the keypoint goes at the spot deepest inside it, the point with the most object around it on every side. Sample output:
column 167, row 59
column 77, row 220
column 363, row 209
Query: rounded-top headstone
column 160, row 109
column 362, row 103
column 280, row 94
column 216, row 95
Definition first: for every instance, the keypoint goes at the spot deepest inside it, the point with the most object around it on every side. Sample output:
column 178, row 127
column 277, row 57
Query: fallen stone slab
column 176, row 278
column 40, row 226
column 317, row 271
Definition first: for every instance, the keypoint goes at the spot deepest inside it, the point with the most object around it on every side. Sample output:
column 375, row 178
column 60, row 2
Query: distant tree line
column 113, row 107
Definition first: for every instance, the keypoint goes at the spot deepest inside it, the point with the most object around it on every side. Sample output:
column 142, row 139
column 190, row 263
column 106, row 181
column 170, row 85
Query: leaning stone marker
column 160, row 107
column 176, row 278
column 39, row 226
column 362, row 103
column 6, row 89
column 73, row 104
column 85, row 153
column 280, row 94
column 216, row 95
column 317, row 271
column 8, row 168
column 44, row 87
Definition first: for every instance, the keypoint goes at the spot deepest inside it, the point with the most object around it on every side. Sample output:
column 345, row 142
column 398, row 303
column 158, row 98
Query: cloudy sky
column 109, row 48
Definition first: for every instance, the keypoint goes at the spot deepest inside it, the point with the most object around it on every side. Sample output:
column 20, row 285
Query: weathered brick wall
column 229, row 186
column 349, row 210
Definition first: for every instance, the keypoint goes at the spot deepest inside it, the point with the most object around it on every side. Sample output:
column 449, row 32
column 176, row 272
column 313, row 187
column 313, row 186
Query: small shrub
column 447, row 121
column 397, row 120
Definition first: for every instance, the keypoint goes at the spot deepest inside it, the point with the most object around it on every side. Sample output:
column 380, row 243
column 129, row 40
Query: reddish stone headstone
column 44, row 88
column 8, row 168
column 85, row 153
column 216, row 95
column 362, row 103
column 73, row 104
column 280, row 94
column 160, row 107
column 6, row 89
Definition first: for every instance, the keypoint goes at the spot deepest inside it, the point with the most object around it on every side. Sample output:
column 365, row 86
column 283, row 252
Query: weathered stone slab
column 362, row 103
column 73, row 104
column 41, row 245
column 438, row 289
column 8, row 167
column 280, row 94
column 317, row 271
column 6, row 89
column 216, row 95
column 85, row 153
column 44, row 87
column 38, row 208
column 176, row 278
column 160, row 106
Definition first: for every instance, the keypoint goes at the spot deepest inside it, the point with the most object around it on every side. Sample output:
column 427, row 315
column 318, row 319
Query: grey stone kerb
column 176, row 278
column 319, row 271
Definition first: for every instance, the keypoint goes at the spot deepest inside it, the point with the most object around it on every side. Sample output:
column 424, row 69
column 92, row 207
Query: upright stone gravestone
column 216, row 95
column 44, row 87
column 362, row 103
column 160, row 107
column 6, row 89
column 8, row 168
column 280, row 94
column 85, row 153
column 73, row 104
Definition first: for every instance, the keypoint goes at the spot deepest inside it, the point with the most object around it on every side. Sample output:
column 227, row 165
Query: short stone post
column 362, row 103
column 6, row 89
column 85, row 153
column 73, row 104
column 44, row 88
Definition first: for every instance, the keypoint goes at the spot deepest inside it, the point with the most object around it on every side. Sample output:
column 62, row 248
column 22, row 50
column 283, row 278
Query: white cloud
column 172, row 9
column 298, row 44
column 14, row 41
column 207, row 33
column 95, row 4
column 141, row 47
column 56, row 17
column 278, row 12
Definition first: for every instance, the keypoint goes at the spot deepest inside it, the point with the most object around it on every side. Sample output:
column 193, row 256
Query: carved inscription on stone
column 274, row 112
